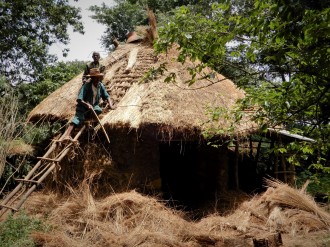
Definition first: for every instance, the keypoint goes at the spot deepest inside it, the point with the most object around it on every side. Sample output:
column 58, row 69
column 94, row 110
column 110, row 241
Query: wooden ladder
column 15, row 199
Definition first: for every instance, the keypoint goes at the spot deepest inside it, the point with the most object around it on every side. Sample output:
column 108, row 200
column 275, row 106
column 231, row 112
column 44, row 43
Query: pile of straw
column 131, row 219
column 280, row 209
column 126, row 219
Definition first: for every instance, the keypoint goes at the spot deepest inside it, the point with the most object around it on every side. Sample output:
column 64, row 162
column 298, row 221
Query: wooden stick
column 26, row 180
column 8, row 207
column 96, row 116
column 48, row 159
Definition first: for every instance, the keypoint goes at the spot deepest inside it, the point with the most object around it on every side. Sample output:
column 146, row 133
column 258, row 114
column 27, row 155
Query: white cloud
column 82, row 46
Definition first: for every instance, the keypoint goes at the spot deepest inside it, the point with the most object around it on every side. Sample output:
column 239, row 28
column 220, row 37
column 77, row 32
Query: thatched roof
column 164, row 106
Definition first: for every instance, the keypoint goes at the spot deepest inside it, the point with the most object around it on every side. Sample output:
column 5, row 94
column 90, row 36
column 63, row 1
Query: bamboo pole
column 99, row 121
column 236, row 165
column 285, row 177
column 276, row 166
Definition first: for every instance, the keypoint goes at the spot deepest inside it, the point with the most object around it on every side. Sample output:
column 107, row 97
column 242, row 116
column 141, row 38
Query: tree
column 53, row 77
column 126, row 15
column 277, row 51
column 8, row 122
column 28, row 28
column 119, row 20
column 15, row 103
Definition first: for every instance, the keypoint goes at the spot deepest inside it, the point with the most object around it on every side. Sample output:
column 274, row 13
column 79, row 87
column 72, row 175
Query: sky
column 82, row 46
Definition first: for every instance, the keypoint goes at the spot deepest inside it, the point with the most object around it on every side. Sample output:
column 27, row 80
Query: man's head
column 96, row 56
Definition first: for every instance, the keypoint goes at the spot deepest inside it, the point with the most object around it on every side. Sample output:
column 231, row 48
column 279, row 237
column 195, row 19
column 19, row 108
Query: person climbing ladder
column 88, row 100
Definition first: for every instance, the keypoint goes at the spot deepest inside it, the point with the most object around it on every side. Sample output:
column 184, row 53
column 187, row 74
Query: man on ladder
column 88, row 100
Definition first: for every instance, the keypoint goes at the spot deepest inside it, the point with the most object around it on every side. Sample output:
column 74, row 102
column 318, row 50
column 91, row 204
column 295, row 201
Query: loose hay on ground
column 127, row 219
column 131, row 219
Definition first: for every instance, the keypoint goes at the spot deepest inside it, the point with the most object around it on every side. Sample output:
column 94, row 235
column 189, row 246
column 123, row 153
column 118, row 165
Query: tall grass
column 8, row 125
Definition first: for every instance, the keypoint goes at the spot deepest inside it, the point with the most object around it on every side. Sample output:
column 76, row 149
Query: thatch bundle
column 280, row 209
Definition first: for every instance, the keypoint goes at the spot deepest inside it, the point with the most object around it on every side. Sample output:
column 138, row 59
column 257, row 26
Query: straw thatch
column 131, row 219
column 168, row 106
column 126, row 219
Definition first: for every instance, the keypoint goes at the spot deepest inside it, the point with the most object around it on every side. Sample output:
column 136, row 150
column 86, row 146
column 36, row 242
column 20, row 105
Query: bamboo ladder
column 14, row 200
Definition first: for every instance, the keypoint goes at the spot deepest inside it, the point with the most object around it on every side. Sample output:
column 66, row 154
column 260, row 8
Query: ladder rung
column 26, row 180
column 49, row 159
column 5, row 206
column 56, row 141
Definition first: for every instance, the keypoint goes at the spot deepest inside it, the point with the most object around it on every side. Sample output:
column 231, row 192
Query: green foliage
column 15, row 231
column 153, row 73
column 318, row 184
column 16, row 103
column 277, row 51
column 53, row 77
column 168, row 5
column 5, row 86
column 126, row 15
column 37, row 134
column 28, row 29
column 119, row 19
column 9, row 123
column 19, row 169
column 214, row 114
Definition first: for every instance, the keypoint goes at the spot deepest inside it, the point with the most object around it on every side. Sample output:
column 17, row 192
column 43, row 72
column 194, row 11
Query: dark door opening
column 249, row 176
column 178, row 171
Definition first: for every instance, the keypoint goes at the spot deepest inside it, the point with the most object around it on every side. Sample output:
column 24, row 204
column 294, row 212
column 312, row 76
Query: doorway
column 178, row 163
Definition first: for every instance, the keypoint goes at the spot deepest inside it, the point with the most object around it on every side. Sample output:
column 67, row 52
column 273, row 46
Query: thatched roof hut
column 156, row 129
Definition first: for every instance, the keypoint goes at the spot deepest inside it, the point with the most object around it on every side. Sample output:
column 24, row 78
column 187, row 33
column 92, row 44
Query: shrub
column 15, row 231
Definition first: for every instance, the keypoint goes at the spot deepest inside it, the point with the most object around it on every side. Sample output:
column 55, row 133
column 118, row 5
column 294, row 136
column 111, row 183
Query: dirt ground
column 317, row 239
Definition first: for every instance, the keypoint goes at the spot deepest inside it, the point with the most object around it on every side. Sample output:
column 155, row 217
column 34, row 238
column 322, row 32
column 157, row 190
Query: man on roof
column 95, row 64
column 88, row 100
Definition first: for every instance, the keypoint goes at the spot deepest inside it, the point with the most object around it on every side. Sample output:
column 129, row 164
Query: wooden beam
column 49, row 159
column 236, row 165
column 26, row 180
column 8, row 207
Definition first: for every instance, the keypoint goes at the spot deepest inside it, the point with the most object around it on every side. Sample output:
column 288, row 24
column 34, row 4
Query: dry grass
column 131, row 219
column 19, row 147
column 283, row 208
column 280, row 209
column 126, row 219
